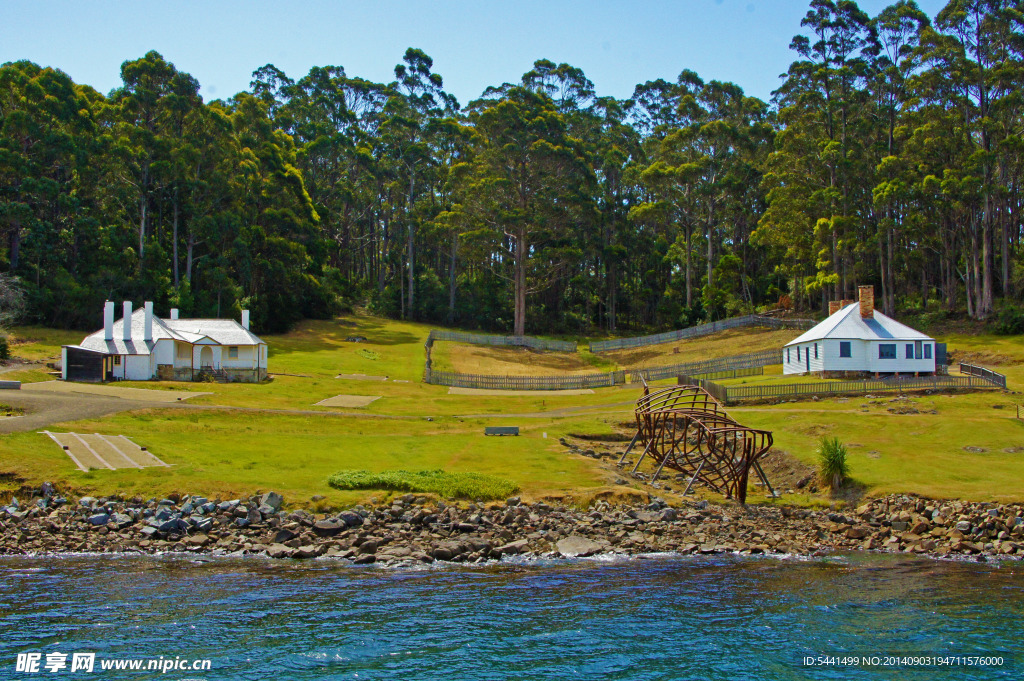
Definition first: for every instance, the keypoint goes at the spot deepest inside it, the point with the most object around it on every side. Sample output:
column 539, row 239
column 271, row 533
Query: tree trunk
column 412, row 245
column 520, row 284
column 174, row 238
column 452, row 278
column 987, row 264
column 15, row 244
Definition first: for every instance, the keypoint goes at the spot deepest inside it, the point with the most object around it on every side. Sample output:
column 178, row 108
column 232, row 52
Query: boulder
column 120, row 520
column 327, row 528
column 284, row 535
column 273, row 500
column 350, row 518
column 99, row 519
column 197, row 540
column 575, row 546
column 280, row 551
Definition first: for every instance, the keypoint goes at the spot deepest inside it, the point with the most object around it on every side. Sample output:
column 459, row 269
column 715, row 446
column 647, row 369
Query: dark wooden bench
column 501, row 430
column 10, row 385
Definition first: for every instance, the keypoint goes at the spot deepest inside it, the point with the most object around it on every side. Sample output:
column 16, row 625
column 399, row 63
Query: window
column 910, row 351
column 787, row 354
column 917, row 349
column 798, row 353
column 815, row 351
column 117, row 360
column 887, row 351
column 184, row 350
column 928, row 351
column 844, row 349
column 233, row 352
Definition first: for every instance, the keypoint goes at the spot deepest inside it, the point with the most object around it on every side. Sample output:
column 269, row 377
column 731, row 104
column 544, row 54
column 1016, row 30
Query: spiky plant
column 832, row 466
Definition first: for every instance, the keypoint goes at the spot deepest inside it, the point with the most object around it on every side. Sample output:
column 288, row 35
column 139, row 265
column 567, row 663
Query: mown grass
column 236, row 452
column 447, row 485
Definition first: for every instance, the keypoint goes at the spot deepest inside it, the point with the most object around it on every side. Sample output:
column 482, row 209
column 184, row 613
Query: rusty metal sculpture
column 684, row 428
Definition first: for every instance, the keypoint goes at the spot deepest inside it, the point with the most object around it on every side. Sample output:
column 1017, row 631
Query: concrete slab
column 136, row 394
column 361, row 377
column 517, row 393
column 348, row 401
column 97, row 451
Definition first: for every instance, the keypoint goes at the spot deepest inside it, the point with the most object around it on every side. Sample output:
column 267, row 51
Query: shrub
column 448, row 485
column 832, row 466
column 1009, row 321
column 5, row 348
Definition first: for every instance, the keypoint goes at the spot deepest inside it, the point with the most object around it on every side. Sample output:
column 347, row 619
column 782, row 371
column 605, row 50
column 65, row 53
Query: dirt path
column 44, row 409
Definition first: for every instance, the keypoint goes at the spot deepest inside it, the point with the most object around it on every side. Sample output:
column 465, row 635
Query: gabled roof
column 221, row 331
column 847, row 324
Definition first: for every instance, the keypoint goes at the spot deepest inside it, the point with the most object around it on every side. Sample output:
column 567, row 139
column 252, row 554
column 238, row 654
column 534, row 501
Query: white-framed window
column 117, row 360
column 184, row 350
column 232, row 352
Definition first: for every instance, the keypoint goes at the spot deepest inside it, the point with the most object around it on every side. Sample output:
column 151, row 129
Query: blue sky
column 473, row 44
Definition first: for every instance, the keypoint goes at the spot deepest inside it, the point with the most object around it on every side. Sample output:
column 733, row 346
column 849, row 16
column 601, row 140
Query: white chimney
column 127, row 320
column 149, row 320
column 108, row 320
column 245, row 319
column 174, row 313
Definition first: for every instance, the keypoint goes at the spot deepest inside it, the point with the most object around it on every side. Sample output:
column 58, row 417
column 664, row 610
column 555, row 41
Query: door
column 206, row 358
column 807, row 359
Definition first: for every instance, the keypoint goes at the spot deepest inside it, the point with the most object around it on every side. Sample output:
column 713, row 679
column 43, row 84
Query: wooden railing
column 512, row 341
column 981, row 372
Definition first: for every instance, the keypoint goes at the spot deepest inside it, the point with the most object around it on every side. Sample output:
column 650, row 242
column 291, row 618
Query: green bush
column 448, row 485
column 5, row 348
column 832, row 466
column 1009, row 321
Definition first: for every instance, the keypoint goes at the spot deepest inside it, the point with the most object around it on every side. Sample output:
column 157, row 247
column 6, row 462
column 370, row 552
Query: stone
column 266, row 510
column 513, row 501
column 350, row 518
column 87, row 502
column 273, row 500
column 575, row 546
column 197, row 540
column 280, row 551
column 857, row 532
column 99, row 519
column 365, row 560
column 253, row 516
column 283, row 535
column 963, row 526
column 328, row 528
column 120, row 520
column 369, row 546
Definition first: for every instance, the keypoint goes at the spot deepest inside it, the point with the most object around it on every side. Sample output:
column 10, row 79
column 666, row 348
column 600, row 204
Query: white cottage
column 141, row 346
column 857, row 339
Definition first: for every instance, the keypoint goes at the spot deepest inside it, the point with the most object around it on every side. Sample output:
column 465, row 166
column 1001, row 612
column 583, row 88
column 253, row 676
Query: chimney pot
column 245, row 319
column 149, row 321
column 127, row 321
column 867, row 301
column 108, row 320
column 174, row 313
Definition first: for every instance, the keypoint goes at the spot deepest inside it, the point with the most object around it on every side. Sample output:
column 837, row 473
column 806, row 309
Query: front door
column 206, row 358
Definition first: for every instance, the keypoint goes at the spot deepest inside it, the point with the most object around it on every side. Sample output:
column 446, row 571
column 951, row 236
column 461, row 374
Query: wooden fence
column 982, row 372
column 701, row 330
column 730, row 394
column 660, row 373
column 514, row 341
column 492, row 382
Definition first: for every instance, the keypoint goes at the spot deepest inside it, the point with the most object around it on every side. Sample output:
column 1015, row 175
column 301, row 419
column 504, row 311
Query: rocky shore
column 412, row 529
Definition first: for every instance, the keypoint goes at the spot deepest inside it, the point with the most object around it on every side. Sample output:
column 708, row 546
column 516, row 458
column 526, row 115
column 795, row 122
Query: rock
column 273, row 500
column 365, row 560
column 575, row 546
column 283, row 535
column 253, row 516
column 328, row 528
column 266, row 510
column 857, row 532
column 197, row 540
column 350, row 518
column 963, row 526
column 120, row 520
column 369, row 546
column 99, row 519
column 514, row 501
column 87, row 502
column 669, row 515
column 900, row 526
column 280, row 551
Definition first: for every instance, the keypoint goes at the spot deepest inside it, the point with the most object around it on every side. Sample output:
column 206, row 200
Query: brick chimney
column 834, row 306
column 867, row 301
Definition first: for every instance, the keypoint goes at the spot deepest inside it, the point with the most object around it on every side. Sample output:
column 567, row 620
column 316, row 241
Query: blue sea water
column 666, row 617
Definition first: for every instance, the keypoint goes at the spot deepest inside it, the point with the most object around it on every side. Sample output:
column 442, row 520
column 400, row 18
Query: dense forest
column 892, row 153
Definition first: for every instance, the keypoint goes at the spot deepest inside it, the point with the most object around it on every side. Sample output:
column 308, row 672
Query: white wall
column 901, row 364
column 807, row 356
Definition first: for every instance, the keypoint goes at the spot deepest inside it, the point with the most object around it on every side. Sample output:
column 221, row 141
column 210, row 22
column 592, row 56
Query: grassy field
column 721, row 344
column 964, row 445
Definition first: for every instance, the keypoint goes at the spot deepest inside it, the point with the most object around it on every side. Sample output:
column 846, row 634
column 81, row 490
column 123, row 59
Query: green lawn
column 233, row 453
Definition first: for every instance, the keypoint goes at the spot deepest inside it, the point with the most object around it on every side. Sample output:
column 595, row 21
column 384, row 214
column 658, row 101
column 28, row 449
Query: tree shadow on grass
column 331, row 335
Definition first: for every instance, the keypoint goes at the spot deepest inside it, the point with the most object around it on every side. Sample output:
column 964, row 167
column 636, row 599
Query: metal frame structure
column 686, row 429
